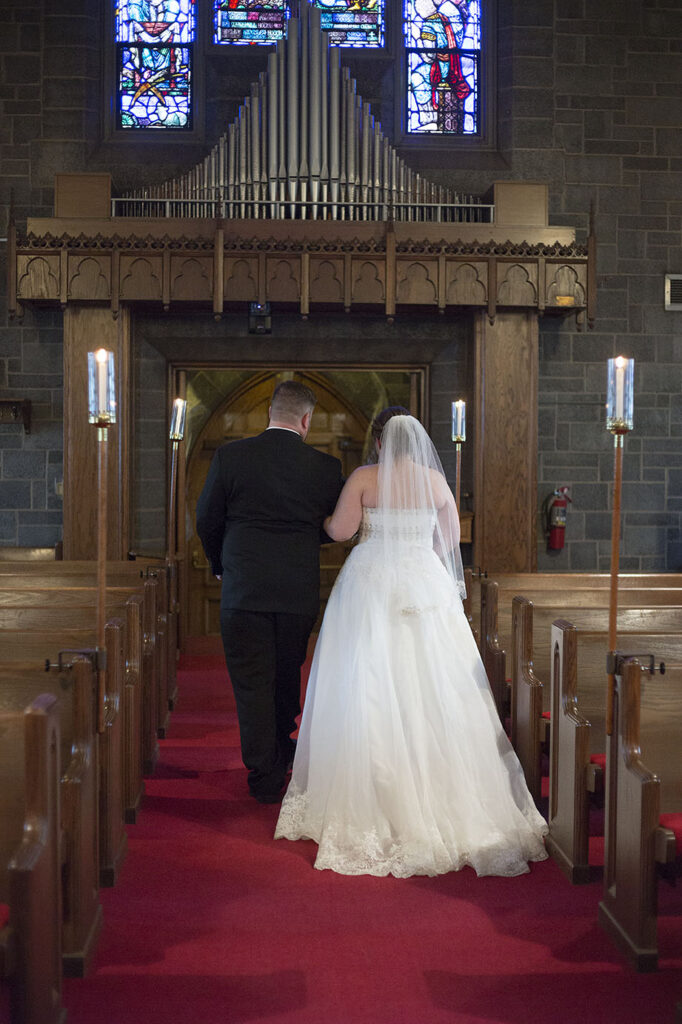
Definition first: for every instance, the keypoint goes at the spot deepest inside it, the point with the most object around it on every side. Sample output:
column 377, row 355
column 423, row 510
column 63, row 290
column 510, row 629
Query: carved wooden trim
column 172, row 269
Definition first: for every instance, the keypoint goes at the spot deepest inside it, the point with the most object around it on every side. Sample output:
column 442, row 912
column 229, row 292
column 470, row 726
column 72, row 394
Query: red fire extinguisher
column 554, row 510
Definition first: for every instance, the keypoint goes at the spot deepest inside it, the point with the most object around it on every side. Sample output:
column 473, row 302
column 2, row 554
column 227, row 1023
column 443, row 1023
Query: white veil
column 411, row 481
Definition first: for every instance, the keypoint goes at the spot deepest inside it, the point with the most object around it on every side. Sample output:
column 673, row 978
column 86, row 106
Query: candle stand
column 101, row 413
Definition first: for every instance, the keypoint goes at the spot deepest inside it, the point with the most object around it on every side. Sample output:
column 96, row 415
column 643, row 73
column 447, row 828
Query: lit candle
column 459, row 421
column 102, row 358
column 177, row 428
column 620, row 388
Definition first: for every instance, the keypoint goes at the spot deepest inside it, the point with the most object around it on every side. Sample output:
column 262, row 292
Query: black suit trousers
column 264, row 652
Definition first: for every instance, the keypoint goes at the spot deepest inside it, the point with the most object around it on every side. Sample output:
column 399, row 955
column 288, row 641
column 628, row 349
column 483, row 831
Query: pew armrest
column 666, row 846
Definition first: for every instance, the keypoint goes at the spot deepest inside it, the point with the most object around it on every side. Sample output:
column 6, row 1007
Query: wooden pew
column 491, row 652
column 43, row 634
column 571, row 777
column 30, row 875
column 19, row 594
column 637, row 836
column 647, row 603
column 75, row 688
column 29, row 575
column 528, row 727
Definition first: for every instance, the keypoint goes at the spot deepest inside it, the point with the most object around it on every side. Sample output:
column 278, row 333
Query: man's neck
column 283, row 426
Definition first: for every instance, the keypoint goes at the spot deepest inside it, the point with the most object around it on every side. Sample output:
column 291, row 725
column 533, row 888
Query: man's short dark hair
column 291, row 400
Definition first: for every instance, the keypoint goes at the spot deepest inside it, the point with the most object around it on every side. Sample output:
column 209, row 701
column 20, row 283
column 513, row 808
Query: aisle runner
column 213, row 922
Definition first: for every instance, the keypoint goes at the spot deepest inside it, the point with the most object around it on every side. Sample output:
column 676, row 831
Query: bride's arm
column 448, row 533
column 344, row 521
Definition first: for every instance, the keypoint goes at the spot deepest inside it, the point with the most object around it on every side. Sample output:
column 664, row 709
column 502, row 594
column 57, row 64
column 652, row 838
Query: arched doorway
column 338, row 428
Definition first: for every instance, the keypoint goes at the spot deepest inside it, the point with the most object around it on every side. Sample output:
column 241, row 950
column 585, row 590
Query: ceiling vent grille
column 673, row 291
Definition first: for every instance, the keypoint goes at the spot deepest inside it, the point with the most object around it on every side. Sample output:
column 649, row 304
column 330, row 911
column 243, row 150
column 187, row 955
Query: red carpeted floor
column 212, row 921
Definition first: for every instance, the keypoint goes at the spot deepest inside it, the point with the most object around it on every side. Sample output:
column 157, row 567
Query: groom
column 260, row 518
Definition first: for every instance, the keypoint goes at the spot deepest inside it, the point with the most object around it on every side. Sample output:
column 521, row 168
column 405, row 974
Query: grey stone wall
column 588, row 101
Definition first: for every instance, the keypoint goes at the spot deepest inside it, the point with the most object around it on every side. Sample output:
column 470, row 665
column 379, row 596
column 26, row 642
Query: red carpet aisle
column 212, row 921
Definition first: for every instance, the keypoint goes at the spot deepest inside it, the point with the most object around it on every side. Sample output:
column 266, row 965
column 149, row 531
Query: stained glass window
column 154, row 47
column 353, row 22
column 443, row 52
column 249, row 22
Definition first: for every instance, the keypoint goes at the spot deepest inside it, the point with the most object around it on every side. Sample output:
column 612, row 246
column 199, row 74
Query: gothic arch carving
column 516, row 287
column 240, row 282
column 327, row 283
column 90, row 279
column 465, row 287
column 368, row 284
column 38, row 281
column 141, row 278
column 193, row 279
column 283, row 281
column 418, row 284
column 565, row 285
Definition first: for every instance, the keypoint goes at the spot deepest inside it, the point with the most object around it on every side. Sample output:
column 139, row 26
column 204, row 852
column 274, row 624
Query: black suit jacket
column 259, row 517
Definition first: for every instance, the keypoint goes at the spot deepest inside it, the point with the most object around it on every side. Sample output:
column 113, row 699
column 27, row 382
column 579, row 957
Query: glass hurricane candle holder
column 177, row 427
column 101, row 388
column 620, row 395
column 459, row 421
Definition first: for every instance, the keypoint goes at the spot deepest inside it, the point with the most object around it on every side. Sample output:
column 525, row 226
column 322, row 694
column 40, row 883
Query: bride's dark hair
column 382, row 418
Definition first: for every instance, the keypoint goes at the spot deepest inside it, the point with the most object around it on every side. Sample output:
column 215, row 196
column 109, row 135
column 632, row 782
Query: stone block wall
column 588, row 101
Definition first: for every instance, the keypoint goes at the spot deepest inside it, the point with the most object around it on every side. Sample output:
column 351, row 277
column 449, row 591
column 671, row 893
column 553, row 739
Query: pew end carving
column 30, row 876
column 528, row 727
column 628, row 909
column 568, row 839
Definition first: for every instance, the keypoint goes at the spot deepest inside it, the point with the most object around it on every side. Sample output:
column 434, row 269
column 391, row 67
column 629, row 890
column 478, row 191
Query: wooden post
column 615, row 556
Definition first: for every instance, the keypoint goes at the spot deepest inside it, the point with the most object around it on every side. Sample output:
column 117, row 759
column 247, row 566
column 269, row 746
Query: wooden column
column 87, row 328
column 505, row 442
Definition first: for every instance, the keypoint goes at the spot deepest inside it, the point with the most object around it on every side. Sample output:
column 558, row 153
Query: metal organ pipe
column 304, row 144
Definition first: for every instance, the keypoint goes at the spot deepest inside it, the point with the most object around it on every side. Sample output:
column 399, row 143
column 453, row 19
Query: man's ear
column 305, row 422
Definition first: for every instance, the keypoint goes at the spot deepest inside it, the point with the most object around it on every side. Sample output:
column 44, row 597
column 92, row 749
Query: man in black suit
column 260, row 518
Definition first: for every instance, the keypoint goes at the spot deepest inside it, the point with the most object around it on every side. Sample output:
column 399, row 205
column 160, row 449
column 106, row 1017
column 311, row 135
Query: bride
column 402, row 766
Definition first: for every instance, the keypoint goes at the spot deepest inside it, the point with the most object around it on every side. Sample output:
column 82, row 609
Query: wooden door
column 337, row 428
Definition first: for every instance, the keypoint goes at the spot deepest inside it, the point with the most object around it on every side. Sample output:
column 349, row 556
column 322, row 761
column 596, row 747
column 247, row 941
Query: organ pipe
column 304, row 144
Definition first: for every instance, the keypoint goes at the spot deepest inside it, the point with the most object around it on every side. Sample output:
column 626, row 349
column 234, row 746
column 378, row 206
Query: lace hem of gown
column 354, row 852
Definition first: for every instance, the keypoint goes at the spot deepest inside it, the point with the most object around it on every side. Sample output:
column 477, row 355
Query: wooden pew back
column 526, row 697
column 568, row 817
column 30, row 875
column 75, row 687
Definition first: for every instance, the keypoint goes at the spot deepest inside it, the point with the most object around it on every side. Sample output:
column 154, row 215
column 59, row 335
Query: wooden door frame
column 177, row 372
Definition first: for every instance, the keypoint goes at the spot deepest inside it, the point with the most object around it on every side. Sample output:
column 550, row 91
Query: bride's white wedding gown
column 402, row 766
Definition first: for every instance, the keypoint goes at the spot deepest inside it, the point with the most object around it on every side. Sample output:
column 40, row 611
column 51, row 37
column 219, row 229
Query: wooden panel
column 141, row 278
column 87, row 328
column 89, row 278
column 517, row 284
column 326, row 280
column 82, row 195
column 283, row 280
column 505, row 442
column 518, row 202
column 191, row 278
column 368, row 281
column 38, row 277
column 467, row 283
column 417, row 282
column 241, row 279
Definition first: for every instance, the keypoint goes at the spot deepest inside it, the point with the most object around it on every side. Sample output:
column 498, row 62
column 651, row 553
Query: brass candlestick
column 176, row 435
column 619, row 413
column 101, row 413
